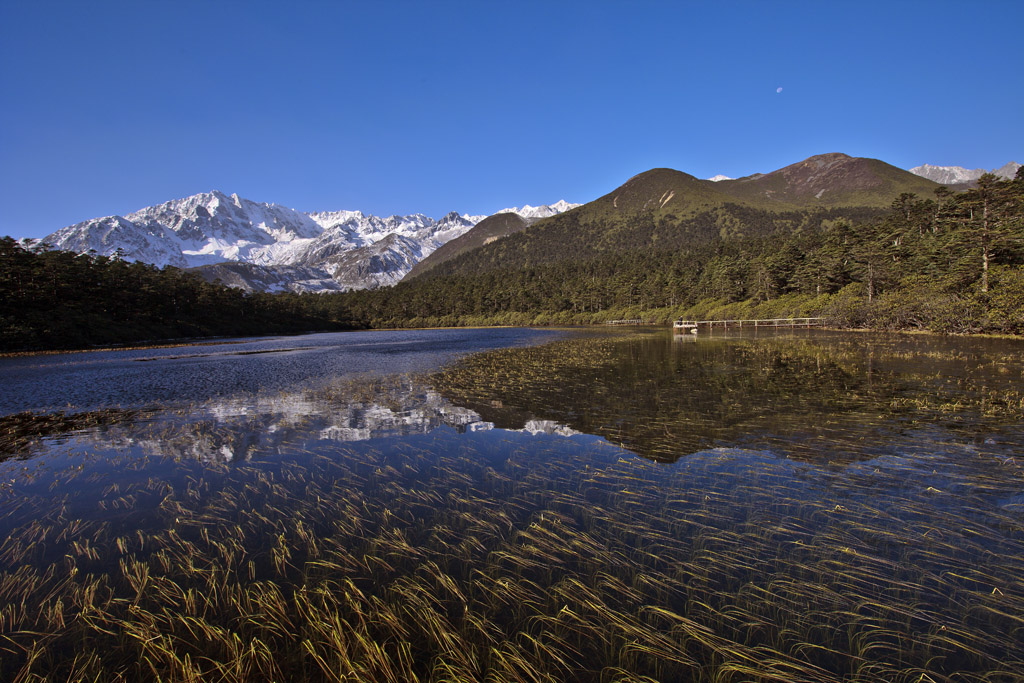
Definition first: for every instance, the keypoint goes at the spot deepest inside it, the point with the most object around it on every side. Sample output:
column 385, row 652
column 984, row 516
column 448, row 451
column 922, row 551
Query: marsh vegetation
column 807, row 507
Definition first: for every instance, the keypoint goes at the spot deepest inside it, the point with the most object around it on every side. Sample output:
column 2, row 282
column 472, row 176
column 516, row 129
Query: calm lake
column 516, row 505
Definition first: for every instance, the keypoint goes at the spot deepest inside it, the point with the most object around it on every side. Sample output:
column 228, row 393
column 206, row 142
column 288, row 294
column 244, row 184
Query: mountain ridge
column 833, row 179
column 958, row 175
column 208, row 230
column 287, row 249
column 665, row 208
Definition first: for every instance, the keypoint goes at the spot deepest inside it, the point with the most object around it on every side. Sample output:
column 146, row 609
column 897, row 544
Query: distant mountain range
column 958, row 175
column 265, row 247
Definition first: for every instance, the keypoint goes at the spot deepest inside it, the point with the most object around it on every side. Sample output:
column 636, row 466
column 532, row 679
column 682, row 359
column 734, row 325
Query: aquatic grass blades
column 511, row 556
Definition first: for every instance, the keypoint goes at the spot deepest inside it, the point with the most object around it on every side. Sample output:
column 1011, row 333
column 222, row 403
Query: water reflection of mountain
column 814, row 396
column 823, row 397
column 239, row 428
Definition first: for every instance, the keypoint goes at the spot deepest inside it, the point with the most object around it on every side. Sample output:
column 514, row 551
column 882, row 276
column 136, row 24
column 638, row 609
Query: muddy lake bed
column 516, row 505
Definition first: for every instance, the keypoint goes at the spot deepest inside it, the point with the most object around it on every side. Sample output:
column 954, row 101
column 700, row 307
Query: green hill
column 660, row 191
column 485, row 232
column 822, row 181
column 666, row 209
column 828, row 180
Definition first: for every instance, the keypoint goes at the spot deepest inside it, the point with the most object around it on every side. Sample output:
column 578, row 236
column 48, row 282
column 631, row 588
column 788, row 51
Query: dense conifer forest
column 62, row 300
column 949, row 263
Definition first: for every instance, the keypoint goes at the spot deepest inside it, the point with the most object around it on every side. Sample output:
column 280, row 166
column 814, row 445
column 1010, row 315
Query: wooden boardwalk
column 694, row 325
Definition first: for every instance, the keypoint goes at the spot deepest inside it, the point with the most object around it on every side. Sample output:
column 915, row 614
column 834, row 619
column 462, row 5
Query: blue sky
column 402, row 107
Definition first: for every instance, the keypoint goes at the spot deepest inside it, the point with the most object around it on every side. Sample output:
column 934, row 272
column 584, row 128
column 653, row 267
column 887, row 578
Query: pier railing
column 762, row 322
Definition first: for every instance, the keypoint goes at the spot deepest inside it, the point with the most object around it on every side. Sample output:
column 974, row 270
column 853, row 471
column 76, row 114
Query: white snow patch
column 561, row 206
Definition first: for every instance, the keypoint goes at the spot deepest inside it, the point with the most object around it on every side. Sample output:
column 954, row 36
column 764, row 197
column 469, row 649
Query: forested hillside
column 951, row 263
column 61, row 300
column 948, row 263
column 483, row 233
column 667, row 209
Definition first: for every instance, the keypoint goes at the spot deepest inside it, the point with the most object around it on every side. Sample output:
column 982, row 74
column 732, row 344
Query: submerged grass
column 18, row 432
column 379, row 565
column 507, row 557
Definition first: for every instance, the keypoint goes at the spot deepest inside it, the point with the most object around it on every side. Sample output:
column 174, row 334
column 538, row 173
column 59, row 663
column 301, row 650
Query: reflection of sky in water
column 88, row 381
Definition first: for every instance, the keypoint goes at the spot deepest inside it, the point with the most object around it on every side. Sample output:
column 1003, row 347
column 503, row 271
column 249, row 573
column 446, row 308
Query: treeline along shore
column 949, row 263
column 63, row 300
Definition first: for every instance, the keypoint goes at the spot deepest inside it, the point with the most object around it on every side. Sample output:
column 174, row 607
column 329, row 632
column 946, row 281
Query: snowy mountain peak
column 948, row 175
column 561, row 206
column 329, row 219
column 956, row 175
column 718, row 178
column 1009, row 171
column 278, row 245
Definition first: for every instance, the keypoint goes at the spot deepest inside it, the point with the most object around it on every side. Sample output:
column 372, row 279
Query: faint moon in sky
column 778, row 90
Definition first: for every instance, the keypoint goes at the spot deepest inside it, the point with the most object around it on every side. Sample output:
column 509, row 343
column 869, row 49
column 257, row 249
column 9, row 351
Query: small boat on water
column 684, row 326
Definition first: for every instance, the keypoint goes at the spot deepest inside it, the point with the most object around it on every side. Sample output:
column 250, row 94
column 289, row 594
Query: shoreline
column 214, row 341
column 198, row 341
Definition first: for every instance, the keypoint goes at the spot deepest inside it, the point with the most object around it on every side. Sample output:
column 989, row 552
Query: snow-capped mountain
column 201, row 229
column 528, row 211
column 382, row 263
column 958, row 175
column 719, row 178
column 948, row 175
column 266, row 247
column 1008, row 170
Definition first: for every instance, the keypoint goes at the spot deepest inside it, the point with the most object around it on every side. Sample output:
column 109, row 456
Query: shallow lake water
column 517, row 505
column 160, row 376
